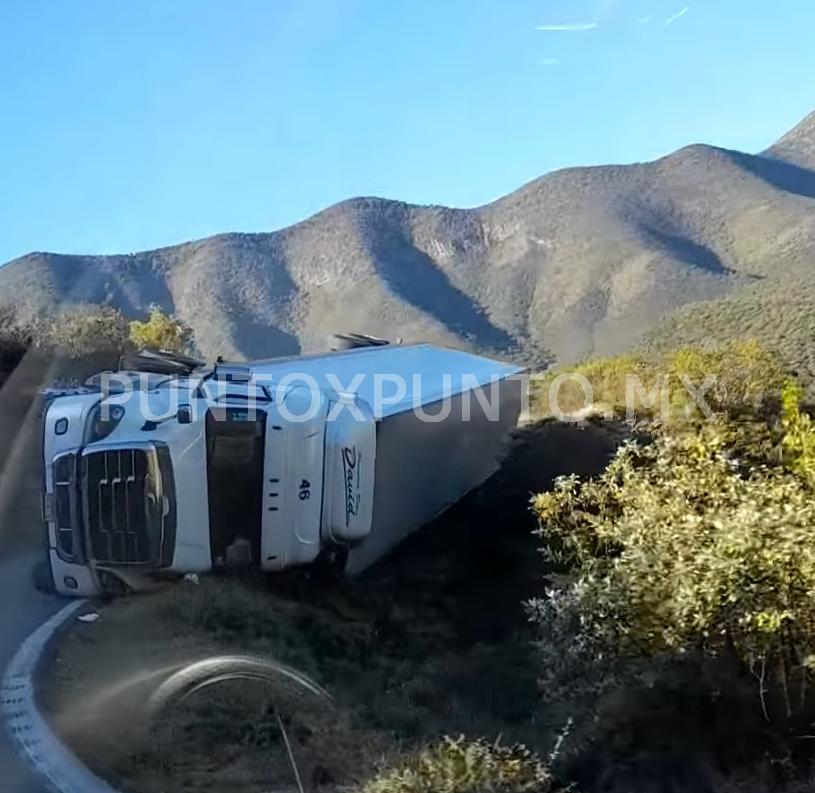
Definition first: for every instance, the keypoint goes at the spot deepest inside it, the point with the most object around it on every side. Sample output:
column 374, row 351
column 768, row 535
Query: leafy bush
column 458, row 766
column 161, row 332
column 732, row 376
column 698, row 543
column 798, row 443
column 84, row 330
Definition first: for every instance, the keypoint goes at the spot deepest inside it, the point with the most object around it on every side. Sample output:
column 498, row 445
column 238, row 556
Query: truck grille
column 124, row 501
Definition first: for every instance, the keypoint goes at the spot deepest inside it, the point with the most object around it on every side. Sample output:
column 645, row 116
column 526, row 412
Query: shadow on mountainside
column 778, row 173
column 257, row 340
column 130, row 283
column 689, row 251
column 414, row 277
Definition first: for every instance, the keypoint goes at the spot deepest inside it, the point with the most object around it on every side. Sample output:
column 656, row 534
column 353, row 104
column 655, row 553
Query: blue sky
column 135, row 124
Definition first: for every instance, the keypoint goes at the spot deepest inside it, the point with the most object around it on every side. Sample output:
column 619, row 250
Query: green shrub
column 455, row 765
column 733, row 376
column 161, row 332
column 84, row 330
column 700, row 543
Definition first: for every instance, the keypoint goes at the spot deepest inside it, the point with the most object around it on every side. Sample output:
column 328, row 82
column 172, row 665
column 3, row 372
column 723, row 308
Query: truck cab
column 179, row 475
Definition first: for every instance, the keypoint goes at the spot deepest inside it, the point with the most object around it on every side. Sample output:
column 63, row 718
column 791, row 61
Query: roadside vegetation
column 83, row 331
column 663, row 385
column 677, row 634
column 455, row 765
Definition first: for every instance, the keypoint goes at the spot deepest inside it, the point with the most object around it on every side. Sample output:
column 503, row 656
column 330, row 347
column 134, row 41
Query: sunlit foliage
column 673, row 386
column 697, row 541
column 161, row 332
column 455, row 765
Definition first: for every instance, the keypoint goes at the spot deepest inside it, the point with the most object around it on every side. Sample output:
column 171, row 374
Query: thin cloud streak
column 645, row 20
column 550, row 61
column 676, row 17
column 570, row 27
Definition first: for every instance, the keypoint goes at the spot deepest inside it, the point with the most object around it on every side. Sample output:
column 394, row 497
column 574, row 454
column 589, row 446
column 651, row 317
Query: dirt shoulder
column 434, row 640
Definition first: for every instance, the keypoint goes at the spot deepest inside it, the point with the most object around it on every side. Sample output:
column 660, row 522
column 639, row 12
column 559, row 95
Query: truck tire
column 339, row 342
column 42, row 578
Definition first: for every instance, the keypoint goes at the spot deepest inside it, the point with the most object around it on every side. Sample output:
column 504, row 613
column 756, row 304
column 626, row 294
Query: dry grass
column 399, row 672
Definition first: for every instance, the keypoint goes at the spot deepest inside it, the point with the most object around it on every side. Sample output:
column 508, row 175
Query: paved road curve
column 22, row 610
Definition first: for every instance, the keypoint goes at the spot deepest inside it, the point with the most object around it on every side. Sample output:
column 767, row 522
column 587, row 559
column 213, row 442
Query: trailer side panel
column 422, row 468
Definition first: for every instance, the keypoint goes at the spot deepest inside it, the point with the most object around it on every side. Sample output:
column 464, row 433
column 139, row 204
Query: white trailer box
column 270, row 464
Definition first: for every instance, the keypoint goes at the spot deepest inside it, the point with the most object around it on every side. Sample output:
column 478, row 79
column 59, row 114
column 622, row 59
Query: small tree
column 161, row 332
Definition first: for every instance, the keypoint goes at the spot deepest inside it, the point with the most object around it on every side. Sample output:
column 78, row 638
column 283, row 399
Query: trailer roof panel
column 390, row 379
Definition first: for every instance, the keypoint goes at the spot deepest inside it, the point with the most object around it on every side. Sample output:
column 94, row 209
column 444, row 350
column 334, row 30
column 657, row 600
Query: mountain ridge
column 576, row 262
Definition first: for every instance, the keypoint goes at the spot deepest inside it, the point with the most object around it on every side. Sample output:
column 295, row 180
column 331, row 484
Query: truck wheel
column 339, row 342
column 41, row 577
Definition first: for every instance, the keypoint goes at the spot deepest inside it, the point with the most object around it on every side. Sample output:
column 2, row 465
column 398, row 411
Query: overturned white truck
column 168, row 467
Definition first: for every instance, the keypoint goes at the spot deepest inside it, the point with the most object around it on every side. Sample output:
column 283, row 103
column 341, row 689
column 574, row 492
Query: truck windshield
column 235, row 450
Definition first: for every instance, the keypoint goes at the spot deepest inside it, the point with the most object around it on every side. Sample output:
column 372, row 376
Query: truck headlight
column 104, row 420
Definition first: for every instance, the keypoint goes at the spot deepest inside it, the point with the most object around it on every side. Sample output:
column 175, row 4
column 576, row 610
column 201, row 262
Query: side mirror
column 184, row 414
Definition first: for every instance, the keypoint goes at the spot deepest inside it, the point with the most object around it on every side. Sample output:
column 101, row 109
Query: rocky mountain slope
column 704, row 243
